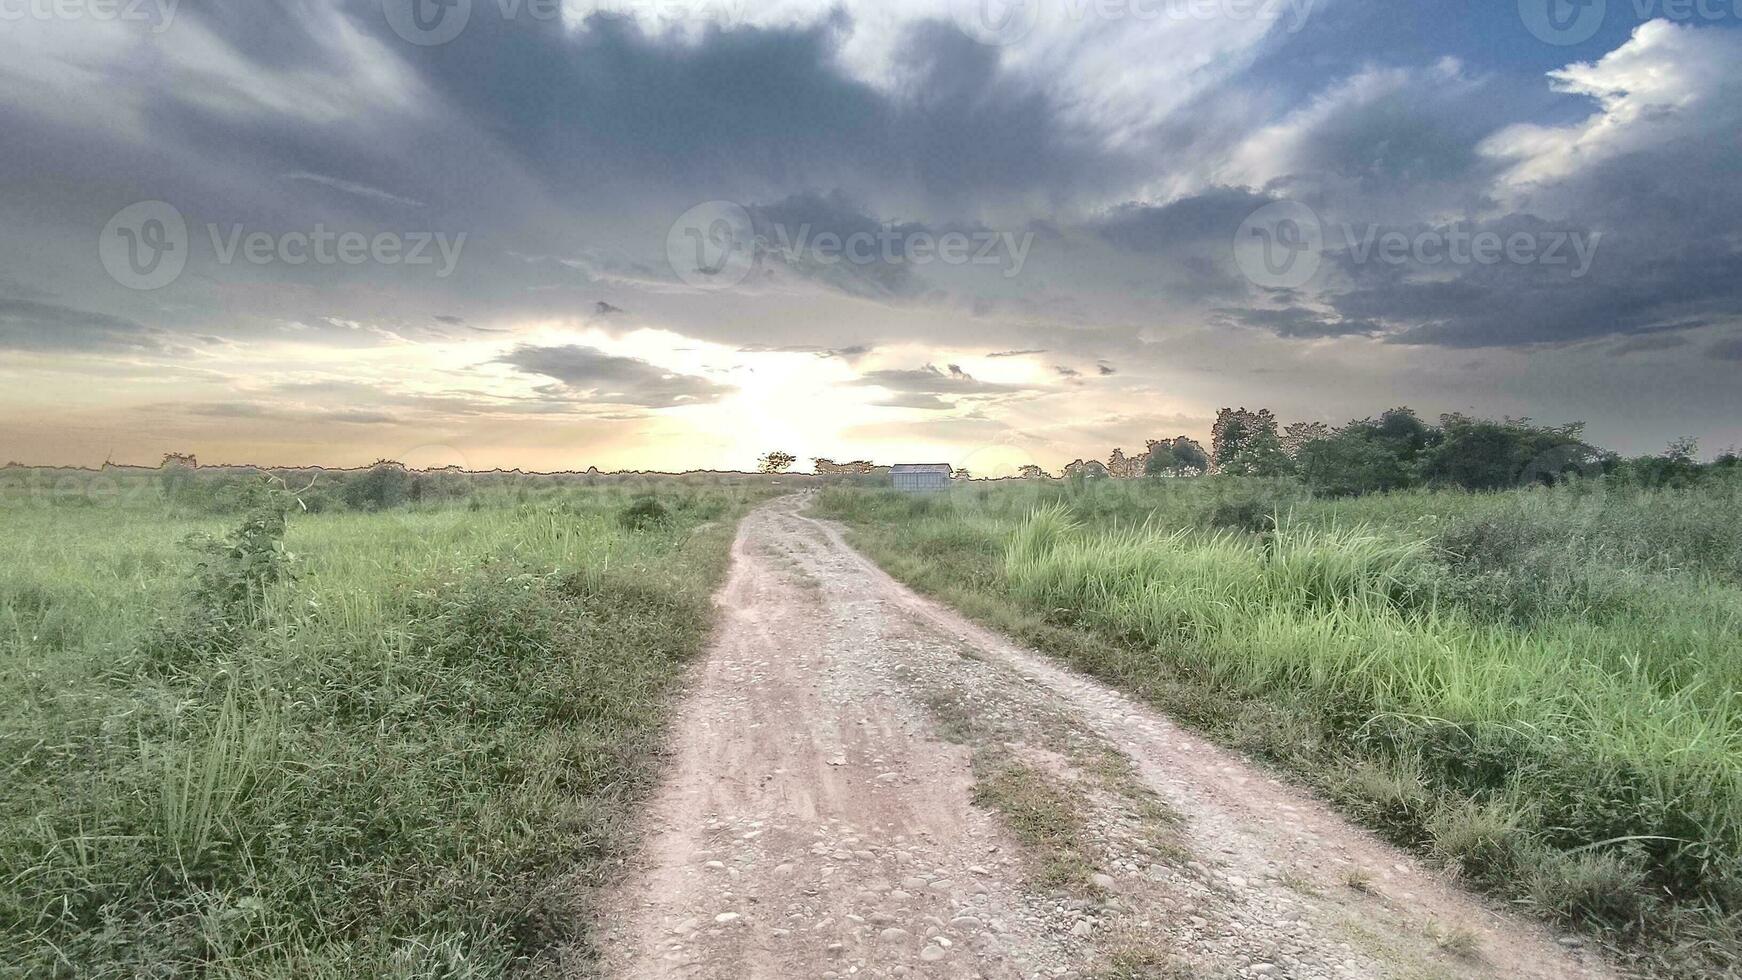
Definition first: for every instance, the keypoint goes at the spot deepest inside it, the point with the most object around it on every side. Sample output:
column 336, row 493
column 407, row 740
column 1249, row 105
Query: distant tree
column 386, row 484
column 1298, row 434
column 1482, row 454
column 960, row 474
column 1684, row 450
column 1090, row 469
column 1033, row 472
column 176, row 475
column 1676, row 466
column 776, row 462
column 1245, row 443
column 1124, row 467
column 1354, row 460
column 1368, row 455
column 1179, row 456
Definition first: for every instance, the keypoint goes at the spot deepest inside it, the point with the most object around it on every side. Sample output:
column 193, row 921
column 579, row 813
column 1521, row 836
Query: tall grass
column 415, row 757
column 1542, row 688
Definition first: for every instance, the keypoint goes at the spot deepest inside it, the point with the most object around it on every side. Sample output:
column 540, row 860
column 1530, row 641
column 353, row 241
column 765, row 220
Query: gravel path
column 840, row 804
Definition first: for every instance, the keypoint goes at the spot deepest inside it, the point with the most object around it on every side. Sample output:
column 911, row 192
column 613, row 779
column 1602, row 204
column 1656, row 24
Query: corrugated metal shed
column 920, row 477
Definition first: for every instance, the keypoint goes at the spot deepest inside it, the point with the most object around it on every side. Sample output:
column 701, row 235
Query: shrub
column 645, row 514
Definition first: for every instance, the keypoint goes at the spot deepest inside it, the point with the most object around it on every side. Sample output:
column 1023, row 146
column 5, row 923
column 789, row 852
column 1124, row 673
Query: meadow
column 367, row 732
column 1540, row 688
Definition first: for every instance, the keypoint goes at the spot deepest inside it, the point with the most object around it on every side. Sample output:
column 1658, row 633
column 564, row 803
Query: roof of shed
column 920, row 468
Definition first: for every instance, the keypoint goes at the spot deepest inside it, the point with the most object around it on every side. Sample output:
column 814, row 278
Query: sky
column 674, row 234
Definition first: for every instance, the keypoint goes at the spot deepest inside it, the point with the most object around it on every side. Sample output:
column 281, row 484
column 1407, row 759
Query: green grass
column 1543, row 689
column 417, row 757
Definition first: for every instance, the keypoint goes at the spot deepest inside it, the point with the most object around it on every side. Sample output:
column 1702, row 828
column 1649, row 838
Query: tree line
column 1397, row 450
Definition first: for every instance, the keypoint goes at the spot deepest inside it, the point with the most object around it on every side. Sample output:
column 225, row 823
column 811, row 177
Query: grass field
column 393, row 743
column 1542, row 688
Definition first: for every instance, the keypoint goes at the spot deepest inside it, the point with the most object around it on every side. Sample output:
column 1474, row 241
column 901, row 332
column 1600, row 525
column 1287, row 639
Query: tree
column 1123, row 467
column 1368, row 455
column 1245, row 443
column 1298, row 434
column 960, row 474
column 1482, row 454
column 385, row 484
column 776, row 462
column 1091, row 469
column 1354, row 461
column 1179, row 456
column 1033, row 472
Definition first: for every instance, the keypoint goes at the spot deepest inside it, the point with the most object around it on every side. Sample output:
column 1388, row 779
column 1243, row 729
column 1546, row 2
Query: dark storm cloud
column 589, row 374
column 611, row 99
column 1297, row 322
column 602, row 308
column 787, row 232
column 1184, row 225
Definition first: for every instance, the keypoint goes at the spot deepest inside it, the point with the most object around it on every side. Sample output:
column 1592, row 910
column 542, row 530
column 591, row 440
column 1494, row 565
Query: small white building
column 920, row 477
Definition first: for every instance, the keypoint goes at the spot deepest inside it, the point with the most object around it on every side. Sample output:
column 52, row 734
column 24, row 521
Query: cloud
column 589, row 374
column 1726, row 350
column 602, row 308
column 255, row 410
column 1648, row 343
column 35, row 326
column 1015, row 353
column 352, row 187
column 934, row 381
column 1298, row 322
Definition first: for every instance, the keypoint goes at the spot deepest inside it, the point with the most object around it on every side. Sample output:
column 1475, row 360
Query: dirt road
column 865, row 784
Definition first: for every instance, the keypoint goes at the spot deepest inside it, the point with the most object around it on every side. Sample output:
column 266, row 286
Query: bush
column 645, row 514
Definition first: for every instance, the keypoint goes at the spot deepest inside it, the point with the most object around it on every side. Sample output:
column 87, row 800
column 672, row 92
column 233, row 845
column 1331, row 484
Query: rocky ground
column 866, row 784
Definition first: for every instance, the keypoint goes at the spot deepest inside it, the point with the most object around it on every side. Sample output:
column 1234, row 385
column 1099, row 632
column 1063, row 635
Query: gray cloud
column 35, row 326
column 589, row 374
column 1648, row 343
